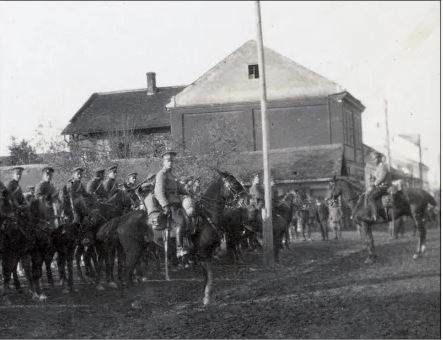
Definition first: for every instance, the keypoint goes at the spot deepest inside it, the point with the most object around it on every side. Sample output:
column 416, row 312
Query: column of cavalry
column 104, row 221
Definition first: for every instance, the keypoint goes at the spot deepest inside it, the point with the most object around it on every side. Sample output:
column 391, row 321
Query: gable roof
column 228, row 81
column 124, row 110
column 311, row 162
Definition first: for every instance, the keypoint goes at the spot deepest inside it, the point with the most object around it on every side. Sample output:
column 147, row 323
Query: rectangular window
column 348, row 128
column 253, row 71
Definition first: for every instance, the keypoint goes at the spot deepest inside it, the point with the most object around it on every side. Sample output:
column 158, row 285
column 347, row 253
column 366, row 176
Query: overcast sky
column 55, row 55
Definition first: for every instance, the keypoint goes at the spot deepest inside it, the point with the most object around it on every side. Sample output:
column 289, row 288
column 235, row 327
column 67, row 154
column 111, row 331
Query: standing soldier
column 322, row 214
column 167, row 191
column 95, row 185
column 14, row 187
column 110, row 184
column 311, row 214
column 129, row 186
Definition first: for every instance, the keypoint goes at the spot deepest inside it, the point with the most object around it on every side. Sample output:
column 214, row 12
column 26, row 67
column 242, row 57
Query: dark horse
column 133, row 230
column 411, row 202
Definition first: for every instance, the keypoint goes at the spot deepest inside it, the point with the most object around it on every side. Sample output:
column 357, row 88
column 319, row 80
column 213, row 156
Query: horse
column 133, row 230
column 279, row 226
column 406, row 202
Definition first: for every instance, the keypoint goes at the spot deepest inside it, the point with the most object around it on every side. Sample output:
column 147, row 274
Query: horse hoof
column 370, row 260
column 42, row 297
column 35, row 296
column 206, row 301
column 422, row 249
column 415, row 256
column 100, row 287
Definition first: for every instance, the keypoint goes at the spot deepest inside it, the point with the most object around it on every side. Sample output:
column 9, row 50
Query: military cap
column 99, row 172
column 79, row 168
column 18, row 168
column 376, row 154
column 169, row 152
column 113, row 168
column 132, row 174
column 48, row 170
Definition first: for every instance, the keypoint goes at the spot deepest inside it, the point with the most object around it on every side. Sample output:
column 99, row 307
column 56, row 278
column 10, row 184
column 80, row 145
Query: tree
column 22, row 152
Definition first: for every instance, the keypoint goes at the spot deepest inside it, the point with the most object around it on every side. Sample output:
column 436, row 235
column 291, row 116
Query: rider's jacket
column 45, row 189
column 95, row 187
column 381, row 175
column 130, row 189
column 16, row 192
column 110, row 187
column 75, row 189
column 168, row 188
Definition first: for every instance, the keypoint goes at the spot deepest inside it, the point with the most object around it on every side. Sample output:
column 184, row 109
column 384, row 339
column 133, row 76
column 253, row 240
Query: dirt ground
column 321, row 290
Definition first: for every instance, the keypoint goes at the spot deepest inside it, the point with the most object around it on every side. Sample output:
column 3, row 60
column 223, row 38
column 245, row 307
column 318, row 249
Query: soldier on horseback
column 110, row 184
column 167, row 191
column 45, row 190
column 72, row 191
column 14, row 188
column 380, row 185
column 130, row 187
column 95, row 185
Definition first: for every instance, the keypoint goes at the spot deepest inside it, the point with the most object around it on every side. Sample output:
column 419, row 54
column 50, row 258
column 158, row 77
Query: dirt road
column 321, row 290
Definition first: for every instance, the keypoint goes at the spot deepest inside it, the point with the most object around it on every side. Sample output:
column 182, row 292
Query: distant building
column 311, row 117
column 123, row 121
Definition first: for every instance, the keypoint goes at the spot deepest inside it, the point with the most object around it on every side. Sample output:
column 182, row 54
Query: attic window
column 253, row 71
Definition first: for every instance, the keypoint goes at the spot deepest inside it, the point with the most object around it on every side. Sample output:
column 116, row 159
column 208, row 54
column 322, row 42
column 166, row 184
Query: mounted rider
column 14, row 188
column 95, row 185
column 167, row 191
column 130, row 187
column 110, row 185
column 45, row 192
column 380, row 185
column 256, row 192
column 72, row 191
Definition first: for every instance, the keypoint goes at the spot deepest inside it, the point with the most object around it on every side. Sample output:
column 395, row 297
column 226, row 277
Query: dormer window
column 253, row 71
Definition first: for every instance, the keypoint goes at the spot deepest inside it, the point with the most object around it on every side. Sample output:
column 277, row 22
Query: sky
column 54, row 55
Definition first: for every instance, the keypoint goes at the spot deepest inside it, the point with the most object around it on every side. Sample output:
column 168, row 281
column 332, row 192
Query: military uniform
column 16, row 192
column 95, row 187
column 130, row 190
column 45, row 190
column 167, row 190
column 382, row 182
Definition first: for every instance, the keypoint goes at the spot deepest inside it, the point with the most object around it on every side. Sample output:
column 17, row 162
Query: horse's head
column 5, row 201
column 233, row 188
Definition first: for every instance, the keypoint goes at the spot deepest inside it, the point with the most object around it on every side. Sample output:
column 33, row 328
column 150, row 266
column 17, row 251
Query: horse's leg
column 109, row 263
column 27, row 268
column 367, row 228
column 15, row 277
column 421, row 227
column 37, row 264
column 133, row 257
column 207, row 270
column 70, row 264
column 78, row 257
column 61, row 268
column 121, row 261
column 100, row 262
column 48, row 260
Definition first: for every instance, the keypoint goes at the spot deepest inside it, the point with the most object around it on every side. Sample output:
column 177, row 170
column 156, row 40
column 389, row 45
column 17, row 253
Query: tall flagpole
column 268, row 242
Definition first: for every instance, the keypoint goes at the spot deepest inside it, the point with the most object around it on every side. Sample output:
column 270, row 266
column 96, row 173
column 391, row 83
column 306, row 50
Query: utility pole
column 420, row 162
column 388, row 142
column 268, row 241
